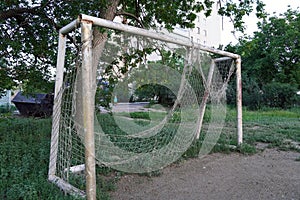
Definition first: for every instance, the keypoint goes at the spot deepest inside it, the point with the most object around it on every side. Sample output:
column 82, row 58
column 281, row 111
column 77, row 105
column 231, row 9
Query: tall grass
column 24, row 158
column 24, row 155
column 278, row 128
column 25, row 147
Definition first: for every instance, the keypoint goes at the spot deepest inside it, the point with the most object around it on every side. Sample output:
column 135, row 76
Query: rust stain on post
column 239, row 101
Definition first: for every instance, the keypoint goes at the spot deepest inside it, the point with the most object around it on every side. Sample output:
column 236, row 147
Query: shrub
column 252, row 94
column 280, row 95
column 6, row 108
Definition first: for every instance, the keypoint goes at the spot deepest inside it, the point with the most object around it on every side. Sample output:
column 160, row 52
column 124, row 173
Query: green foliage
column 6, row 109
column 140, row 115
column 280, row 95
column 25, row 143
column 278, row 48
column 24, row 155
column 194, row 149
column 137, row 145
column 6, row 82
column 272, row 126
column 270, row 59
column 30, row 29
column 163, row 95
column 246, row 149
column 252, row 93
column 240, row 9
column 148, row 91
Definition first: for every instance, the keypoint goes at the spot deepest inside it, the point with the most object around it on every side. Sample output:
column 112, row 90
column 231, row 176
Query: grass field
column 25, row 146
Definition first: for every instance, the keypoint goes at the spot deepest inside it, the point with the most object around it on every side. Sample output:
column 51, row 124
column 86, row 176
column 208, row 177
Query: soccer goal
column 162, row 93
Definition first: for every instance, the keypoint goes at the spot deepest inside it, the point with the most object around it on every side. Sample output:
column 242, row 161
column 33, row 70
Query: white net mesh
column 176, row 82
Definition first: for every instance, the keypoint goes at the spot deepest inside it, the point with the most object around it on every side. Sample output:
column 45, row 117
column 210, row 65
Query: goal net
column 141, row 106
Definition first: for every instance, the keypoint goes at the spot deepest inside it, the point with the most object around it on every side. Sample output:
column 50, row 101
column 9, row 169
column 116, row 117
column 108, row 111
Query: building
column 5, row 100
column 208, row 30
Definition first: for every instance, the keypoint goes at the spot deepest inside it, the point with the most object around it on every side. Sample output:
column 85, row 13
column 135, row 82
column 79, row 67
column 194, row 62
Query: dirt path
column 270, row 174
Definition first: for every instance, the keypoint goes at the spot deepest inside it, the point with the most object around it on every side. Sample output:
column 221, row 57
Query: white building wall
column 208, row 30
column 5, row 100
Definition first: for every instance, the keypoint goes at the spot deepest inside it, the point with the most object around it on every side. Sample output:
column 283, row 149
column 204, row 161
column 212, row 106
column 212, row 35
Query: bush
column 280, row 95
column 252, row 94
column 274, row 94
column 6, row 109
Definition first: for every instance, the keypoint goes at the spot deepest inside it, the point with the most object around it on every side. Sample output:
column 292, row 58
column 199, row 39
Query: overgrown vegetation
column 25, row 143
column 29, row 54
column 271, row 67
column 6, row 110
column 24, row 155
column 278, row 128
column 275, row 127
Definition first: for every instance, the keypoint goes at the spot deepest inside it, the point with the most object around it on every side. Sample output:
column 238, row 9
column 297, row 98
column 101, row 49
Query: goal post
column 239, row 100
column 88, row 112
column 64, row 137
column 88, row 108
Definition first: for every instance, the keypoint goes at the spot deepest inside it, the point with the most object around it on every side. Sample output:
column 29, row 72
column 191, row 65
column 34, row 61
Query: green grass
column 24, row 155
column 272, row 126
column 25, row 147
column 135, row 144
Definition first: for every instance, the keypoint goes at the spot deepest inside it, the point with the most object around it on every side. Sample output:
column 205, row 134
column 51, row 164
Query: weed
column 246, row 149
column 24, row 154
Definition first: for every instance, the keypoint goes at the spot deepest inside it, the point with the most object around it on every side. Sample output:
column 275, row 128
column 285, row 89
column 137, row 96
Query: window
column 204, row 32
column 192, row 38
column 198, row 30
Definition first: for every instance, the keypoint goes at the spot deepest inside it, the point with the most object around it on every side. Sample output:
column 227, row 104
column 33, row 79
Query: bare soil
column 269, row 174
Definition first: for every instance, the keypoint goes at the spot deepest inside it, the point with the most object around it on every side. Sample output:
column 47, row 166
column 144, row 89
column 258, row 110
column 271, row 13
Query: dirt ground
column 269, row 174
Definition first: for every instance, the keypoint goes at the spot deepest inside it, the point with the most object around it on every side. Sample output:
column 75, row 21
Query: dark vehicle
column 36, row 105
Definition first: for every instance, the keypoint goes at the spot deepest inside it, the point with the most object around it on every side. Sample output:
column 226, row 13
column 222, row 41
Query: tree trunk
column 99, row 38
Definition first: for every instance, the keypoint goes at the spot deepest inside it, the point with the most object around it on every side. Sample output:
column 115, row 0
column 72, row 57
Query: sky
column 277, row 6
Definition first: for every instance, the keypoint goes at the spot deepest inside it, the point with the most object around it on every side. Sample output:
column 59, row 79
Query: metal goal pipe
column 151, row 34
column 88, row 109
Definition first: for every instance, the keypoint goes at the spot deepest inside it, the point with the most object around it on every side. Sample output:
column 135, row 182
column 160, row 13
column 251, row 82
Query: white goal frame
column 86, row 23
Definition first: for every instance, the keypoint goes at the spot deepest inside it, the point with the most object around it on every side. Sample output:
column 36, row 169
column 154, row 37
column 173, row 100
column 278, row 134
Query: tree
column 273, row 52
column 272, row 57
column 147, row 91
column 5, row 81
column 29, row 28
